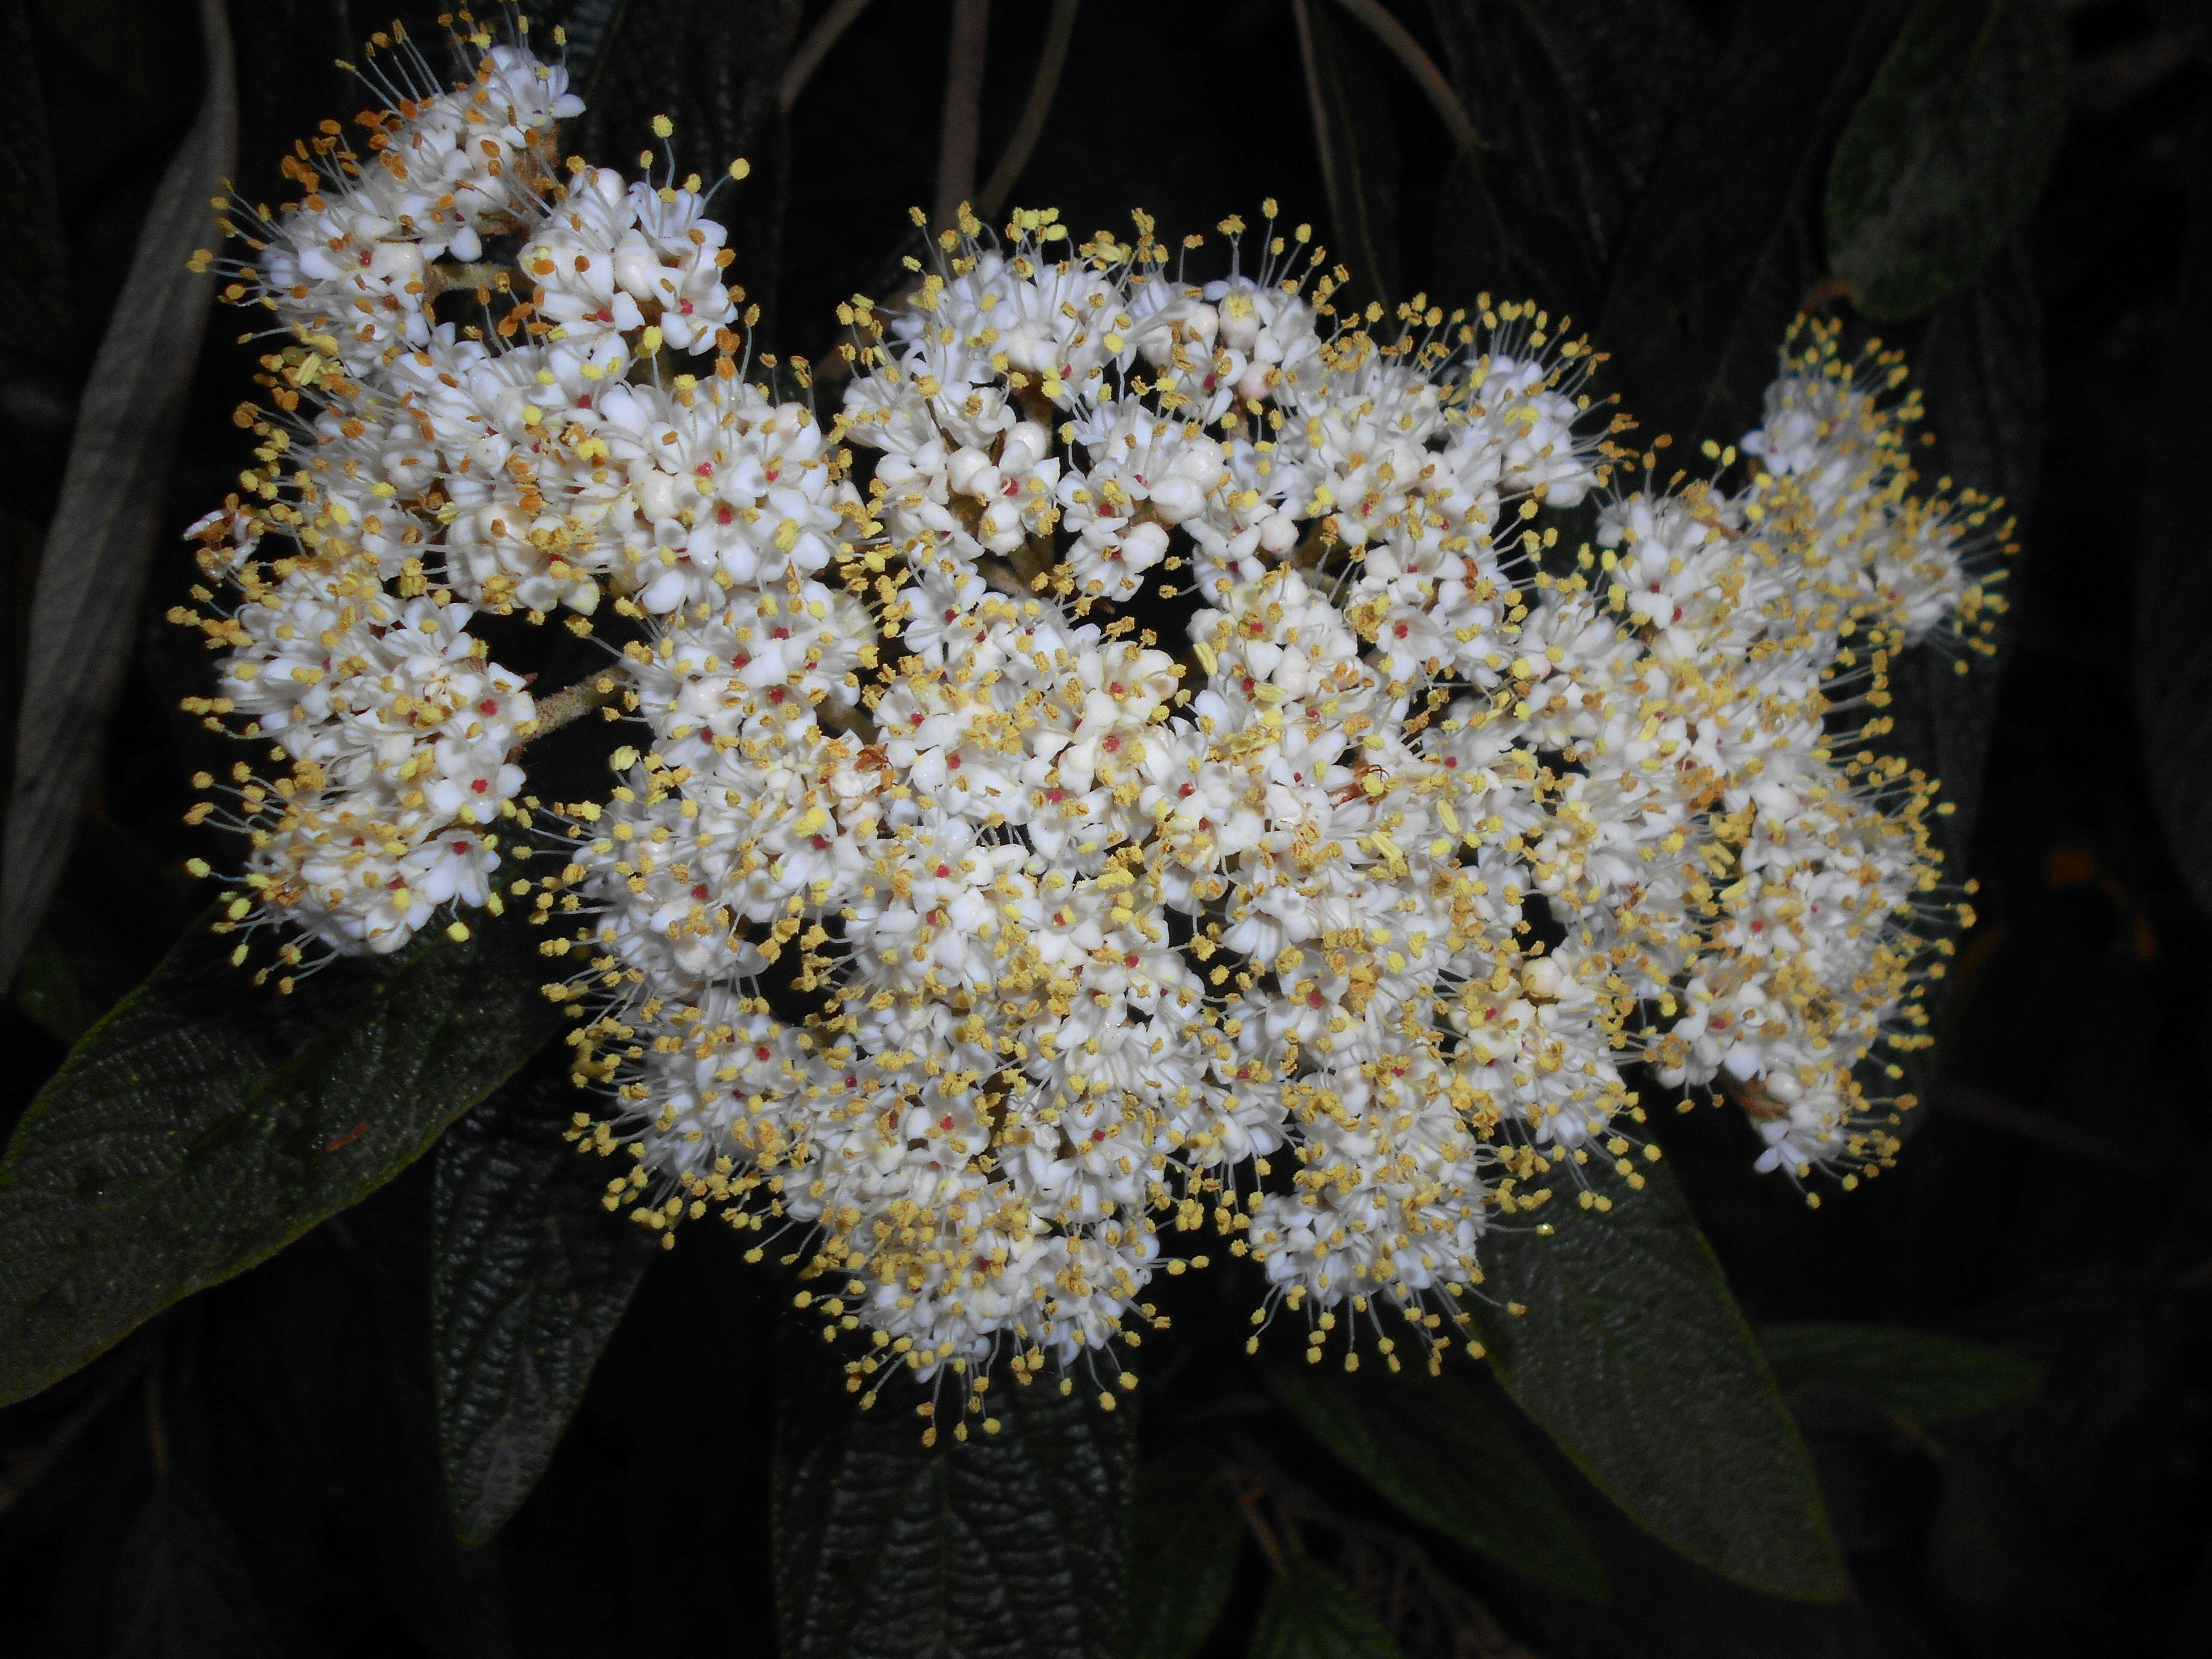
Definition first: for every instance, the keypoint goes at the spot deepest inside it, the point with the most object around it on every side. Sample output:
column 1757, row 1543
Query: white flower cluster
column 421, row 473
column 1181, row 778
column 1341, row 926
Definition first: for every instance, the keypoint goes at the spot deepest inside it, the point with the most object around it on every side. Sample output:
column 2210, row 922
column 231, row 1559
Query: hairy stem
column 568, row 705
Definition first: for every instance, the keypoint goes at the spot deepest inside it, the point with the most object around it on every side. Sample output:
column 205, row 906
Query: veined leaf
column 1309, row 1615
column 86, row 609
column 182, row 1585
column 206, row 1123
column 1917, row 1376
column 1980, row 369
column 1007, row 1544
column 2173, row 583
column 1947, row 152
column 711, row 67
column 1723, row 244
column 1634, row 1357
column 1572, row 100
column 529, row 1275
column 1184, row 1534
column 1353, row 127
column 1439, row 1451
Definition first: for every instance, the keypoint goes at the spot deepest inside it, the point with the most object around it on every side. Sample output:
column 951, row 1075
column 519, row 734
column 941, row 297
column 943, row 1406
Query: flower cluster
column 1165, row 756
column 416, row 474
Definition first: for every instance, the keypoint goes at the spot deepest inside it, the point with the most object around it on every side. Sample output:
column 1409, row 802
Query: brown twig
column 813, row 49
column 1422, row 68
column 1391, row 1572
column 1058, row 34
column 963, row 112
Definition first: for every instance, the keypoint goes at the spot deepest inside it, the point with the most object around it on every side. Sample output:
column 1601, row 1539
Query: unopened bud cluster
column 1146, row 761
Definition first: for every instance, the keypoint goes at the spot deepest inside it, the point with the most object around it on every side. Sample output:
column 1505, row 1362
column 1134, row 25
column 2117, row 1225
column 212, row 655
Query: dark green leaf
column 1008, row 1544
column 1634, row 1356
column 1476, row 250
column 1910, row 1373
column 1441, row 1452
column 587, row 24
column 2173, row 584
column 182, row 1590
column 34, row 312
column 206, row 1123
column 1356, row 134
column 1723, row 244
column 48, row 989
column 1309, row 1615
column 120, row 901
column 1571, row 100
column 326, row 1438
column 1184, row 1537
column 711, row 66
column 529, row 1275
column 1980, row 369
column 85, row 607
column 1948, row 150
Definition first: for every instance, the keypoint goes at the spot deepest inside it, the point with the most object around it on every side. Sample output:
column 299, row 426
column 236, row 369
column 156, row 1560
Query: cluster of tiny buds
column 1147, row 761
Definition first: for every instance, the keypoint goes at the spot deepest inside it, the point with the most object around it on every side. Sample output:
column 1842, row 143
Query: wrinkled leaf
column 1980, row 369
column 48, row 989
column 711, row 66
column 529, row 1276
column 182, row 1590
column 1439, row 1451
column 1633, row 1357
column 119, row 902
column 1185, row 1534
column 1478, row 251
column 1571, row 100
column 1309, row 1615
column 1948, row 150
column 324, row 1429
column 1723, row 244
column 1008, row 1544
column 1910, row 1374
column 85, row 611
column 1356, row 132
column 206, row 1123
column 588, row 24
column 34, row 313
column 2173, row 583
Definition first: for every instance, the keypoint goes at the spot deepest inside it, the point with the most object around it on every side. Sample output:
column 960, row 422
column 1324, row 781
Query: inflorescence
column 1148, row 762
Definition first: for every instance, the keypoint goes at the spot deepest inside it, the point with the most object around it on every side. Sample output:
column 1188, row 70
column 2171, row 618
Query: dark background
column 261, row 1459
